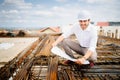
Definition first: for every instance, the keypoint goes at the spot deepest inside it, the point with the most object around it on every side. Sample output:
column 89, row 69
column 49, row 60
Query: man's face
column 84, row 23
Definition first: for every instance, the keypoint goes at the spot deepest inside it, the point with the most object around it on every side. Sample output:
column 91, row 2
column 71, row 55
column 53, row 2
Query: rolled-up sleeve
column 93, row 41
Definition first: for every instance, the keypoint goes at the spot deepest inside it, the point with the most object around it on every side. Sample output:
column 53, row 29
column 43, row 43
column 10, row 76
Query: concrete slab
column 18, row 45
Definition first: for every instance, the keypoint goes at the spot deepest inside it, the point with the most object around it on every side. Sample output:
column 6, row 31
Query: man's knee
column 62, row 43
column 65, row 41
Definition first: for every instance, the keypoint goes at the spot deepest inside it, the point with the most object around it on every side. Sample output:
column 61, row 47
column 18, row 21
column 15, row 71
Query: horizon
column 112, row 24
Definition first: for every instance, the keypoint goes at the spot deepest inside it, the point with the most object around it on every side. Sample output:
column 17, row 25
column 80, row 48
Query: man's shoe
column 91, row 64
column 67, row 62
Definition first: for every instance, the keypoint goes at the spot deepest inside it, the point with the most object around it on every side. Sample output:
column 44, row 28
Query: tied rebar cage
column 38, row 63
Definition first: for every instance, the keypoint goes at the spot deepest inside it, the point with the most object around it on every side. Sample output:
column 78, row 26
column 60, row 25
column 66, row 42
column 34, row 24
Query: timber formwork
column 38, row 63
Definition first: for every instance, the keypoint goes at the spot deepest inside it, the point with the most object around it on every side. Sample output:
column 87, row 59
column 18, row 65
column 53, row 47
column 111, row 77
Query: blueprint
column 57, row 51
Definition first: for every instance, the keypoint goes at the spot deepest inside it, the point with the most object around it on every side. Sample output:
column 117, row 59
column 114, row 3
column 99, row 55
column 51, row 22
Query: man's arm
column 64, row 35
column 86, row 56
column 58, row 40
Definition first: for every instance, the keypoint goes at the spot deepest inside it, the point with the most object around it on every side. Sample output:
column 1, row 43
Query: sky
column 47, row 13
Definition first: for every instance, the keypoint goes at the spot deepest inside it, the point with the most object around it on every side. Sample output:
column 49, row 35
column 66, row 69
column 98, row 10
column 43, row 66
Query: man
column 86, row 35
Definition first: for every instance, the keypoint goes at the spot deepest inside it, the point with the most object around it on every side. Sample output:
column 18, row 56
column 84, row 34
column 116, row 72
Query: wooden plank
column 53, row 69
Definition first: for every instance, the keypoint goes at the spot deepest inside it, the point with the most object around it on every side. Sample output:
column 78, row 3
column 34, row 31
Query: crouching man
column 86, row 35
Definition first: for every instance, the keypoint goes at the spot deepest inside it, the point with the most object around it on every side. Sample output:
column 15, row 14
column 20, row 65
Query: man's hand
column 83, row 59
column 58, row 41
column 80, row 60
column 54, row 44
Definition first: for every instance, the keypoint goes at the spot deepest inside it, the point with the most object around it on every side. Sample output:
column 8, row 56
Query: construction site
column 32, row 48
column 30, row 58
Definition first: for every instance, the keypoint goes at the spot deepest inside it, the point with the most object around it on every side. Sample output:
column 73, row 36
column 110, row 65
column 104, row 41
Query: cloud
column 101, row 1
column 61, row 0
column 43, row 13
column 57, row 8
column 17, row 4
column 14, row 2
column 10, row 12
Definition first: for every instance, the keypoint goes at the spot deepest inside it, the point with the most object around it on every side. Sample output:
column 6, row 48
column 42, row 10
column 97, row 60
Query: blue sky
column 44, row 13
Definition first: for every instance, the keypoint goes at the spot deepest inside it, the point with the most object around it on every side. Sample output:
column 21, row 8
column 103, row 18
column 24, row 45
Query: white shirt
column 86, row 38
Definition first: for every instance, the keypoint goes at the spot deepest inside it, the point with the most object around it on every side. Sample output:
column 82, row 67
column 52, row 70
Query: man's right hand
column 58, row 41
column 54, row 44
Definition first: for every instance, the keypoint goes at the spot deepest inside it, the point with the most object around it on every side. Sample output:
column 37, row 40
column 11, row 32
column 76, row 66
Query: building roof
column 102, row 24
column 50, row 29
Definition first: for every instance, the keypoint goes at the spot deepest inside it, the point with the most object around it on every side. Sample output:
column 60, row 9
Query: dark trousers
column 69, row 46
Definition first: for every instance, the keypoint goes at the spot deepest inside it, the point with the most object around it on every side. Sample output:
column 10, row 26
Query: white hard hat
column 83, row 15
